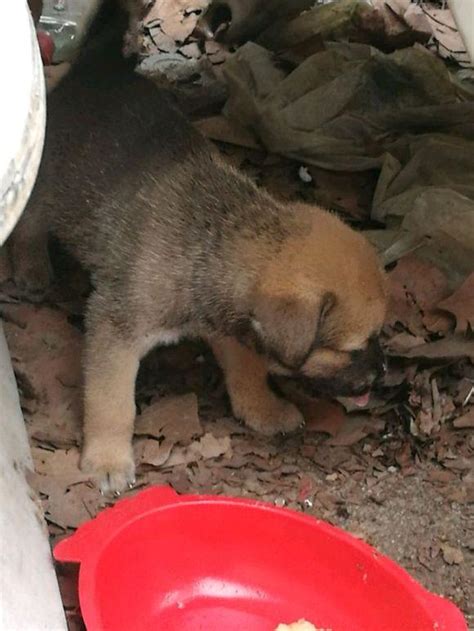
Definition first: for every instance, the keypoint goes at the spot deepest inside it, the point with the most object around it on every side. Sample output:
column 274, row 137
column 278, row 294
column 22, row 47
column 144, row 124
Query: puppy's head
column 319, row 309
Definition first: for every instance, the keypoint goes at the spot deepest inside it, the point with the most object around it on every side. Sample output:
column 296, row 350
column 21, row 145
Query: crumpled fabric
column 351, row 107
column 342, row 108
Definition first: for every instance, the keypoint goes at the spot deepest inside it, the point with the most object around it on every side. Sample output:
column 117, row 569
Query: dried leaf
column 321, row 415
column 355, row 429
column 403, row 342
column 416, row 287
column 327, row 499
column 451, row 555
column 71, row 498
column 437, row 412
column 465, row 391
column 450, row 44
column 404, row 457
column 202, row 477
column 459, row 464
column 207, row 447
column 153, row 452
column 58, row 464
column 424, row 557
column 173, row 21
column 174, row 418
column 46, row 352
column 416, row 18
column 468, row 483
column 425, row 424
column 466, row 420
column 211, row 447
column 306, row 487
column 71, row 507
column 397, row 375
column 461, row 305
column 453, row 347
column 441, row 476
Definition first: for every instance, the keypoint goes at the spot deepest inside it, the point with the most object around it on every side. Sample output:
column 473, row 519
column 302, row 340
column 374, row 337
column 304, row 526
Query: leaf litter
column 398, row 473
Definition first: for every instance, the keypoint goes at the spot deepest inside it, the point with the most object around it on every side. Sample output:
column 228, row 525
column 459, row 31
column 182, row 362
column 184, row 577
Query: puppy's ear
column 288, row 329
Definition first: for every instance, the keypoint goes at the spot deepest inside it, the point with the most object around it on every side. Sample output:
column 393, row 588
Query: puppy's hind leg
column 28, row 250
column 252, row 399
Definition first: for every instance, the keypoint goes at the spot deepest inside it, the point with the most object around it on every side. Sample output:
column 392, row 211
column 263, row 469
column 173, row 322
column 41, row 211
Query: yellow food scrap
column 300, row 625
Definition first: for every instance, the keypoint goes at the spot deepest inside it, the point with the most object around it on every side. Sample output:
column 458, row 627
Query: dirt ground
column 398, row 474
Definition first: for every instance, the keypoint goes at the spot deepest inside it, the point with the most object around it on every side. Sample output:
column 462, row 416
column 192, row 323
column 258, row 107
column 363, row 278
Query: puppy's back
column 109, row 130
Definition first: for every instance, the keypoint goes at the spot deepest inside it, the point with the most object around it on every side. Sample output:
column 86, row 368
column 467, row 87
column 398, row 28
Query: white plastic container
column 22, row 111
column 463, row 13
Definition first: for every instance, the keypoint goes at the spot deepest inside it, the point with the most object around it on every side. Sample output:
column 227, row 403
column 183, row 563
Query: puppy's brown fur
column 180, row 244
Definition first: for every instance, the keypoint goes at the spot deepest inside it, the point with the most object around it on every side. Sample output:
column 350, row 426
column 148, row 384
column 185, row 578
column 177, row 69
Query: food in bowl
column 299, row 625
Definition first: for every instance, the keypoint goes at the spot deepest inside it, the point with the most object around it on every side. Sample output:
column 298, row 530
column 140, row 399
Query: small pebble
column 305, row 175
column 280, row 502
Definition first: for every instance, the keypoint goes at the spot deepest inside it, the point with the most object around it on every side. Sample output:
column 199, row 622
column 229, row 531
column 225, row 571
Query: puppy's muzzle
column 371, row 365
column 365, row 371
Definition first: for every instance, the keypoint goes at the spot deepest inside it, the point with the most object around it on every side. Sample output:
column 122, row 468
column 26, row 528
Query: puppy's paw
column 270, row 415
column 113, row 469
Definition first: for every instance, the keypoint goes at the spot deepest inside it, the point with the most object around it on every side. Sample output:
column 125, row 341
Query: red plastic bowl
column 184, row 563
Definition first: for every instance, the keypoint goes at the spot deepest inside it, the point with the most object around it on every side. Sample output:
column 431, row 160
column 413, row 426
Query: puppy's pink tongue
column 361, row 401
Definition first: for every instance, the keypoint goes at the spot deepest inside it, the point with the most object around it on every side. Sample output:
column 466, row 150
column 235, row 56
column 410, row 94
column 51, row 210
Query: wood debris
column 451, row 555
column 461, row 305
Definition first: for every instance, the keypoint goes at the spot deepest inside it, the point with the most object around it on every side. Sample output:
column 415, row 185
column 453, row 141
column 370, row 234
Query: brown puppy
column 180, row 244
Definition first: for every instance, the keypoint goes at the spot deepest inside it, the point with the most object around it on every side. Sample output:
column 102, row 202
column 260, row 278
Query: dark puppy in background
column 181, row 245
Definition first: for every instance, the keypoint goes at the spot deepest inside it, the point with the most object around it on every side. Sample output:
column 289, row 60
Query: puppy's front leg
column 110, row 369
column 252, row 399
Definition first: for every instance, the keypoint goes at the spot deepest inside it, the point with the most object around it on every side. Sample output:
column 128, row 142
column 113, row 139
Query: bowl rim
column 91, row 540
